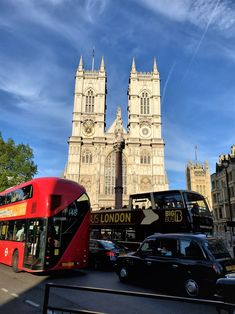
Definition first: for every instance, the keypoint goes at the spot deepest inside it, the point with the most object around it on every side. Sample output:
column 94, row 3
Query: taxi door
column 161, row 266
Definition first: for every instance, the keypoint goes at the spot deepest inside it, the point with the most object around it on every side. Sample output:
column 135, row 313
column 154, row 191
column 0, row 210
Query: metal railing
column 225, row 307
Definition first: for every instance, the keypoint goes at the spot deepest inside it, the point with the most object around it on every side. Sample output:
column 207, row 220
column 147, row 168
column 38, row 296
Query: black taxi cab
column 192, row 262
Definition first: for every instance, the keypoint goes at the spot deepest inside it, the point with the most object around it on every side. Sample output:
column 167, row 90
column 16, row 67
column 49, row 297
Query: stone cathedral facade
column 91, row 153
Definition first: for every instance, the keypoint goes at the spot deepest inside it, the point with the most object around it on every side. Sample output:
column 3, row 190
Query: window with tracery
column 110, row 174
column 87, row 157
column 90, row 101
column 145, row 158
column 144, row 103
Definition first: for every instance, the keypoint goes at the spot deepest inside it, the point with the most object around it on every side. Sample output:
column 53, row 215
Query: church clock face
column 145, row 131
column 88, row 127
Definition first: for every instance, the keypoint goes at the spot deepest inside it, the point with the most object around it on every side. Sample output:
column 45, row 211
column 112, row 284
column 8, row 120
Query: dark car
column 184, row 261
column 103, row 253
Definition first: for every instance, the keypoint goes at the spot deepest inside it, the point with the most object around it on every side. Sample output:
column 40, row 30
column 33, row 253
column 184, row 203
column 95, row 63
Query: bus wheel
column 123, row 274
column 191, row 288
column 15, row 262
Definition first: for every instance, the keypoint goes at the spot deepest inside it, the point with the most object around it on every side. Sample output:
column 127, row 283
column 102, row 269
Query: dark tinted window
column 148, row 247
column 168, row 200
column 17, row 195
column 166, row 247
column 190, row 249
column 3, row 230
column 2, row 200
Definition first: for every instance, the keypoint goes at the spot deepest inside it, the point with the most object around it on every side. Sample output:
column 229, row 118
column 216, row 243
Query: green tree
column 16, row 163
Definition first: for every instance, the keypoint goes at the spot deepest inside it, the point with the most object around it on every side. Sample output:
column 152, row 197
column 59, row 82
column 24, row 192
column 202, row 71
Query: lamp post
column 225, row 161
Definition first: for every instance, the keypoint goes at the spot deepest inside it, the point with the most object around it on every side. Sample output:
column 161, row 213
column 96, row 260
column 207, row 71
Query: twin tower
column 91, row 155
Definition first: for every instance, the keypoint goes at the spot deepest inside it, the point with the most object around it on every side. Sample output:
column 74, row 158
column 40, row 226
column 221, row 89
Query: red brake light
column 110, row 254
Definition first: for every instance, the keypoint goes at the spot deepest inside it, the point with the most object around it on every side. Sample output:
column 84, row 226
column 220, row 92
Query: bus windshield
column 196, row 203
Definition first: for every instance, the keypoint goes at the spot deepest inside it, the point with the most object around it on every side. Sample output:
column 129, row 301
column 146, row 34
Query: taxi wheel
column 15, row 262
column 123, row 274
column 191, row 288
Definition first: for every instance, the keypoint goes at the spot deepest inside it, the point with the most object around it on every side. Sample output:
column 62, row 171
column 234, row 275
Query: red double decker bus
column 44, row 225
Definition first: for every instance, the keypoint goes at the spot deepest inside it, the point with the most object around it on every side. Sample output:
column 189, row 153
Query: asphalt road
column 24, row 293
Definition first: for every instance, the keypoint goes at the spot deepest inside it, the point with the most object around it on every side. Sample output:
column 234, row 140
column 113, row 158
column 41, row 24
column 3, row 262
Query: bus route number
column 73, row 212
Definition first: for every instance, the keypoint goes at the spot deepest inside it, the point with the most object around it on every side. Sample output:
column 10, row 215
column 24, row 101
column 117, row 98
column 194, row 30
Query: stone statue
column 118, row 127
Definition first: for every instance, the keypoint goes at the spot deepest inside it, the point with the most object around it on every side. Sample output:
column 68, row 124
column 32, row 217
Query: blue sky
column 193, row 42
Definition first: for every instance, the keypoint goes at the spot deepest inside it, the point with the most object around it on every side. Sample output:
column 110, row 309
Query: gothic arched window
column 87, row 157
column 145, row 158
column 144, row 103
column 90, row 101
column 109, row 183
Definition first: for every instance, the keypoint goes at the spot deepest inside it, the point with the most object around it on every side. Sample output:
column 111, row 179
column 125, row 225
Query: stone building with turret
column 198, row 179
column 223, row 198
column 91, row 153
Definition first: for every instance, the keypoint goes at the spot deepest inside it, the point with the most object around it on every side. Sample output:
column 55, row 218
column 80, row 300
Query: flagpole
column 93, row 59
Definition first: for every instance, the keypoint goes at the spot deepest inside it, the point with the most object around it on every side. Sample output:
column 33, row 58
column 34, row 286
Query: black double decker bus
column 151, row 212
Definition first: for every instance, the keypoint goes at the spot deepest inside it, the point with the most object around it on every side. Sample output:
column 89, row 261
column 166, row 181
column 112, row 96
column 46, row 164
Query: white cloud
column 47, row 15
column 28, row 81
column 94, row 9
column 197, row 12
column 22, row 84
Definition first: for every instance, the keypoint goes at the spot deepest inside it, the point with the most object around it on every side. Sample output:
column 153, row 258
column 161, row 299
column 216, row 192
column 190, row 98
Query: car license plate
column 230, row 268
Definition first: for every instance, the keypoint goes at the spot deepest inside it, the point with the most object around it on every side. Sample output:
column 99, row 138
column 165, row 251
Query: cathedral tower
column 144, row 131
column 88, row 124
column 91, row 157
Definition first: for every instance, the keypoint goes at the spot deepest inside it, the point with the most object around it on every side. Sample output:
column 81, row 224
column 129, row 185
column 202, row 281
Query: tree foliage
column 16, row 163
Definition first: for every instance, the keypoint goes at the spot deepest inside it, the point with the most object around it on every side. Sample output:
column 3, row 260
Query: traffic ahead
column 188, row 262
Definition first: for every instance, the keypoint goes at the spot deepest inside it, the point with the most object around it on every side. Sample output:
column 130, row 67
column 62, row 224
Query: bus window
column 2, row 200
column 35, row 243
column 19, row 231
column 10, row 230
column 170, row 199
column 142, row 203
column 54, row 233
column 27, row 192
column 4, row 227
column 130, row 235
column 8, row 198
column 196, row 203
column 16, row 196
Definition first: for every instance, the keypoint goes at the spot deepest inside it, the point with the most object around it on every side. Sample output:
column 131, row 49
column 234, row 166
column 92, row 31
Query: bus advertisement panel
column 44, row 225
